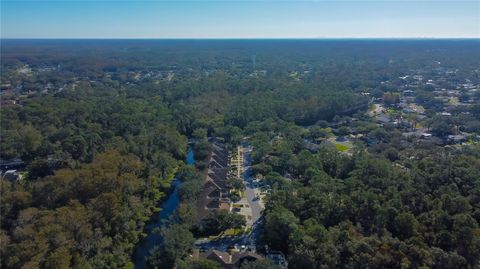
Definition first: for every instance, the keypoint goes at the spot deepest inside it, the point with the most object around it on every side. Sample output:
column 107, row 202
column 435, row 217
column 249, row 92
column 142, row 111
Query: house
column 12, row 175
column 383, row 118
column 412, row 134
column 11, row 164
column 227, row 260
column 277, row 258
column 425, row 135
column 408, row 93
column 9, row 103
column 456, row 139
column 215, row 192
column 313, row 147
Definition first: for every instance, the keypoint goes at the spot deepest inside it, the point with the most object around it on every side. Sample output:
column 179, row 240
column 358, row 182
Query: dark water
column 168, row 208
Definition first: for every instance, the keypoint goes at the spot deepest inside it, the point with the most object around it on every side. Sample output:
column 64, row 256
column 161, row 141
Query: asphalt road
column 254, row 202
column 250, row 190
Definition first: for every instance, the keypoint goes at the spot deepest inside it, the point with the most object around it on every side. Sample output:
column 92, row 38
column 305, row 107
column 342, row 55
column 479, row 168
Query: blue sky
column 239, row 19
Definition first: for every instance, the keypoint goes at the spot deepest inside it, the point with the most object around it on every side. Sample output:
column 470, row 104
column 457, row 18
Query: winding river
column 168, row 208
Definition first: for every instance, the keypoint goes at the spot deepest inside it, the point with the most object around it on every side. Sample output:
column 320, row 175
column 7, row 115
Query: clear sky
column 239, row 19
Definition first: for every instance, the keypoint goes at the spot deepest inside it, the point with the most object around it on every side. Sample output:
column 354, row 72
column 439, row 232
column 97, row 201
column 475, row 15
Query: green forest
column 103, row 142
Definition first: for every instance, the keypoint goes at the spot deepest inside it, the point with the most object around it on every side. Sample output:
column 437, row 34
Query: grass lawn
column 233, row 232
column 391, row 111
column 454, row 101
column 341, row 147
column 229, row 232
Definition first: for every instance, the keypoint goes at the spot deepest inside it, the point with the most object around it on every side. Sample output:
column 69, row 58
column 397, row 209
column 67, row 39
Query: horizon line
column 227, row 38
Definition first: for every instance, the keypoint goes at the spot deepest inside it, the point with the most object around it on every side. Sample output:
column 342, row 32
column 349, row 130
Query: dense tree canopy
column 102, row 127
column 368, row 212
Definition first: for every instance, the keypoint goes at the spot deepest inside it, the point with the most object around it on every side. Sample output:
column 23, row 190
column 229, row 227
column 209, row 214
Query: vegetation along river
column 154, row 238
